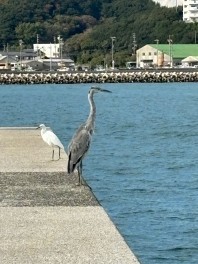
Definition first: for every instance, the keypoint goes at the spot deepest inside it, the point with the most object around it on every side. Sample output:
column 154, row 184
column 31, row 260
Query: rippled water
column 143, row 163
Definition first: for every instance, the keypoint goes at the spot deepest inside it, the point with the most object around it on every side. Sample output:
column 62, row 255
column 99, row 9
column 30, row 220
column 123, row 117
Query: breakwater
column 46, row 217
column 98, row 77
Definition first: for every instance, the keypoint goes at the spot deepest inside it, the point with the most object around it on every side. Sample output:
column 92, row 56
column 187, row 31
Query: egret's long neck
column 43, row 130
column 92, row 115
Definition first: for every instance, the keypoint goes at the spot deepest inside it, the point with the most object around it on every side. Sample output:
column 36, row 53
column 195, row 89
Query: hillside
column 86, row 26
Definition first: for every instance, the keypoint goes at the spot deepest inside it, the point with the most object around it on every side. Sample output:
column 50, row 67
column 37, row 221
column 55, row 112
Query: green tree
column 28, row 31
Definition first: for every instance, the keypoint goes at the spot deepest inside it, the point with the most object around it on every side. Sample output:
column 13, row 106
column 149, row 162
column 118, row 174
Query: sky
column 169, row 3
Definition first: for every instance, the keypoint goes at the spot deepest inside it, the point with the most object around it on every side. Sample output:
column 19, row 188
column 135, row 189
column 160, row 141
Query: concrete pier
column 44, row 216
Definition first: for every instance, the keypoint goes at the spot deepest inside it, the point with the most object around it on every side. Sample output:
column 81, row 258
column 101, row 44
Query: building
column 16, row 59
column 48, row 50
column 27, row 59
column 190, row 10
column 7, row 62
column 169, row 3
column 164, row 55
column 190, row 61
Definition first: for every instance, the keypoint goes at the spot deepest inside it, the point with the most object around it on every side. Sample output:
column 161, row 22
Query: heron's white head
column 95, row 89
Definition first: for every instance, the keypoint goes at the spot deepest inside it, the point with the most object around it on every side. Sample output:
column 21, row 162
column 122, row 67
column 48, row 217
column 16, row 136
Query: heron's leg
column 53, row 154
column 80, row 173
column 59, row 152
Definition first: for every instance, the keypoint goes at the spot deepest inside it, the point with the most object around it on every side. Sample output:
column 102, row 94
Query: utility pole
column 55, row 45
column 37, row 42
column 50, row 56
column 61, row 47
column 60, row 41
column 170, row 41
column 157, row 41
column 20, row 44
column 134, row 45
column 112, row 52
column 7, row 55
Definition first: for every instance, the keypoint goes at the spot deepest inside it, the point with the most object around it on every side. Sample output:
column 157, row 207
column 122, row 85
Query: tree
column 28, row 32
column 87, row 26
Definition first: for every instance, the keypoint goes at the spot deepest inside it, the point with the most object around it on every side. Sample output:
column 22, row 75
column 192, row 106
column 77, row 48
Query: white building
column 50, row 50
column 169, row 3
column 151, row 56
column 190, row 10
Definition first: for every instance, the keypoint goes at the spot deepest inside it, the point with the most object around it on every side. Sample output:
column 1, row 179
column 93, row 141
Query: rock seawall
column 98, row 77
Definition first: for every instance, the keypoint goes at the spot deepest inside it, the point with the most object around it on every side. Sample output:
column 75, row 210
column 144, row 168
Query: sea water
column 143, row 161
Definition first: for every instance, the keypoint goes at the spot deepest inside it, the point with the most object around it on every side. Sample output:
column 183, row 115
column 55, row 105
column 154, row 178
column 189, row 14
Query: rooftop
column 178, row 50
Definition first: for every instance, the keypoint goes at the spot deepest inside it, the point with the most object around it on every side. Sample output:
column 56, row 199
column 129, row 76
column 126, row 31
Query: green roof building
column 179, row 51
column 164, row 54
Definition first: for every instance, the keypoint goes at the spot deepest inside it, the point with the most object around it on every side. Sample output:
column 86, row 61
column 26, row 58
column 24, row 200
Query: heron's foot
column 83, row 184
column 80, row 184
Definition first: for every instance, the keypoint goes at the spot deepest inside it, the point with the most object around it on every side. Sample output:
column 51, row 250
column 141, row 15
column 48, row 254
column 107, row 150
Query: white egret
column 51, row 139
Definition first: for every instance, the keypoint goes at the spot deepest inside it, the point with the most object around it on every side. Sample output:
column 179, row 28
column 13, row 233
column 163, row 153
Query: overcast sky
column 169, row 3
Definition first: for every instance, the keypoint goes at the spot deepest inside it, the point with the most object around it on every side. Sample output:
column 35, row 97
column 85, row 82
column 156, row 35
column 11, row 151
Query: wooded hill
column 87, row 26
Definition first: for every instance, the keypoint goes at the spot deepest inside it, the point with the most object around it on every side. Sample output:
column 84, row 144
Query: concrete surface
column 61, row 235
column 43, row 189
column 44, row 216
column 24, row 150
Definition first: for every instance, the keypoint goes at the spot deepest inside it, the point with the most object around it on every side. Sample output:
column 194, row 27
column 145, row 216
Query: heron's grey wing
column 81, row 127
column 78, row 148
column 75, row 137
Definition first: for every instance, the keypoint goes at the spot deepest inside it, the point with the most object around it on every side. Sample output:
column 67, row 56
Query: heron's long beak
column 104, row 90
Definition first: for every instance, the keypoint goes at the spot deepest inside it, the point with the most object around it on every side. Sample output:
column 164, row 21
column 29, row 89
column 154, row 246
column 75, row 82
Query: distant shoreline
column 118, row 76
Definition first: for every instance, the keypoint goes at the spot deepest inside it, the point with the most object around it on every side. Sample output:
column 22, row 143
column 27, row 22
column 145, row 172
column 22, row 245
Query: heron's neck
column 92, row 115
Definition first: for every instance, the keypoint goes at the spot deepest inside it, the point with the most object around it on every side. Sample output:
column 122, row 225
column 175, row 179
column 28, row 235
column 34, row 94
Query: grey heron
column 51, row 139
column 80, row 143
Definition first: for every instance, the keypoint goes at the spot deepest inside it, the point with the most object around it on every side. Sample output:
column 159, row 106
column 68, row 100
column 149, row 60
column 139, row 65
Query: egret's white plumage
column 51, row 139
column 81, row 140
